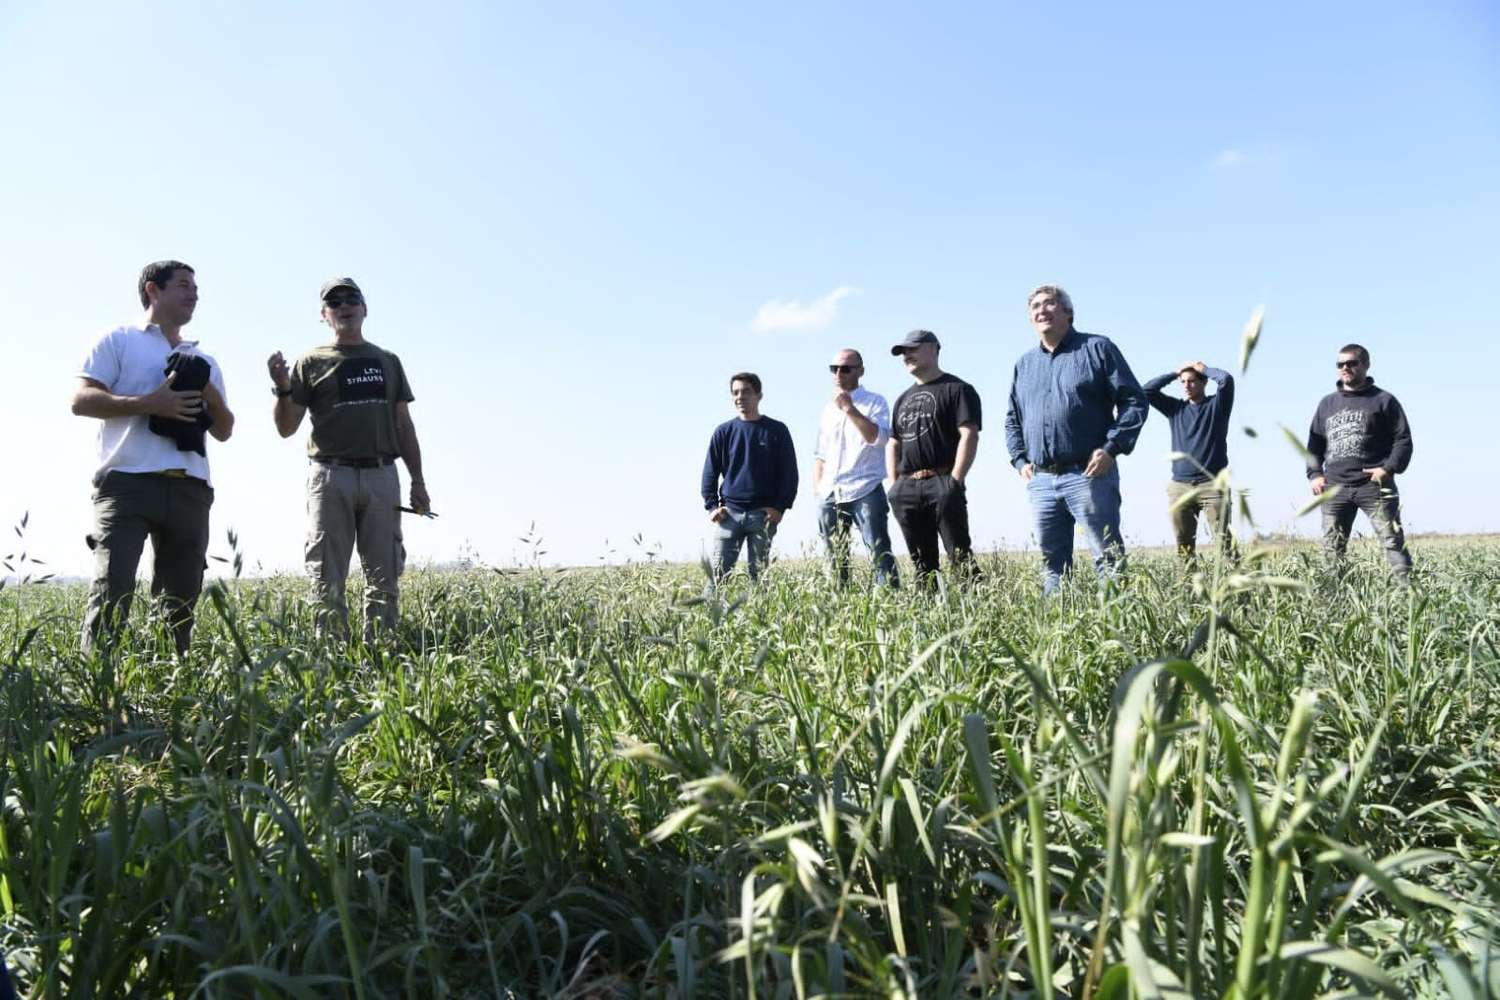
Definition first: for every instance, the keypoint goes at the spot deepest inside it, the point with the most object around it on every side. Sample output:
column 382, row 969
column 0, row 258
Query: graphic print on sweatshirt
column 360, row 380
column 1345, row 431
column 918, row 415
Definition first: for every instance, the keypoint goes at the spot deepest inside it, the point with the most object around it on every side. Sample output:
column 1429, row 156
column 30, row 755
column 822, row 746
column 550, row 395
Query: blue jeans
column 741, row 527
column 1061, row 500
column 869, row 513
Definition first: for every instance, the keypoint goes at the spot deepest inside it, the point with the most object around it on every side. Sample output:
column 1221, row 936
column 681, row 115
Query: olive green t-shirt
column 351, row 394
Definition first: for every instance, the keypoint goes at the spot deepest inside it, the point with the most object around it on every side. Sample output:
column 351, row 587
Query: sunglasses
column 337, row 301
column 909, row 351
column 1347, row 363
column 842, row 369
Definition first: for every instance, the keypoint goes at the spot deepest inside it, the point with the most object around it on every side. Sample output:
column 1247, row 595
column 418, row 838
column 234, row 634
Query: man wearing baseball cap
column 934, row 438
column 361, row 423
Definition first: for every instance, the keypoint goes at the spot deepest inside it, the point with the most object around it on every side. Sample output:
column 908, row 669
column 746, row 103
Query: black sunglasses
column 1346, row 363
column 841, row 369
column 336, row 301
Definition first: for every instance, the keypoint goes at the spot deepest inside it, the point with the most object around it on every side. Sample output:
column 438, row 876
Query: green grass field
column 588, row 783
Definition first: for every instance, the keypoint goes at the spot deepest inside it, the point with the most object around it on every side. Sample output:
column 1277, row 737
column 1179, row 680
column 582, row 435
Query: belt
column 927, row 473
column 171, row 473
column 356, row 463
column 1059, row 468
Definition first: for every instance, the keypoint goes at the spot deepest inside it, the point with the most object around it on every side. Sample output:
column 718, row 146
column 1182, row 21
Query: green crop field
column 1249, row 783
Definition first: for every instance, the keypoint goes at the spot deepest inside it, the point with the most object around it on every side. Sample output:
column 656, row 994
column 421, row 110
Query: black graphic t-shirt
column 926, row 419
column 350, row 393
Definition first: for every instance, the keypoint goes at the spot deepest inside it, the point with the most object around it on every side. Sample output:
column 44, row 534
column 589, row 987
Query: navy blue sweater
column 1200, row 431
column 750, row 463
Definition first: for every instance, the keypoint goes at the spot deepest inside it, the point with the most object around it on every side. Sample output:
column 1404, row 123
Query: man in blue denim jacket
column 1075, row 407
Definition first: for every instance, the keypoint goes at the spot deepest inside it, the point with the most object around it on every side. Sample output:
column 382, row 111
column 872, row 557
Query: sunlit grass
column 1251, row 781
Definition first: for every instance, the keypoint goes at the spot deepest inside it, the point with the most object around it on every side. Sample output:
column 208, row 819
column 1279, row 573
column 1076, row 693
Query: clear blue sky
column 567, row 220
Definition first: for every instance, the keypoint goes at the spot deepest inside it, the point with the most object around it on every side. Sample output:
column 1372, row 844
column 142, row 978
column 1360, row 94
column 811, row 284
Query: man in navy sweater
column 749, row 480
column 1359, row 440
column 1200, row 433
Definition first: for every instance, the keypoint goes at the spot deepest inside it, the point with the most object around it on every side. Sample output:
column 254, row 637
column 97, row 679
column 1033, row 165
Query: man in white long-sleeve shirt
column 848, row 469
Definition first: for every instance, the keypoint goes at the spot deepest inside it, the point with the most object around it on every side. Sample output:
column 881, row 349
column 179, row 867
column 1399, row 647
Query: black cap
column 333, row 283
column 916, row 338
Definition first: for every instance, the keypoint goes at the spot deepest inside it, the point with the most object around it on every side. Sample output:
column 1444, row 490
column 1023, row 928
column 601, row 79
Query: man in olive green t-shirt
column 358, row 395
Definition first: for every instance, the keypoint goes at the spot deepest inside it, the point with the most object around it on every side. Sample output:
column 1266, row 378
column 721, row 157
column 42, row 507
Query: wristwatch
column 279, row 392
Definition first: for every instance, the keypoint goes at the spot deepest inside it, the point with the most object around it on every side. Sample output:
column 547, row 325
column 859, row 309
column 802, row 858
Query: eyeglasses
column 842, row 369
column 1347, row 363
column 338, row 301
column 909, row 351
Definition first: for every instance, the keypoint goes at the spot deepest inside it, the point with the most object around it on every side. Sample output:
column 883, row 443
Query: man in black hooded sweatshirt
column 1359, row 441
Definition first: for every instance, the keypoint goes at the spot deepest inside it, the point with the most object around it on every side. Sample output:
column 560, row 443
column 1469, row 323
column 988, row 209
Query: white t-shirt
column 131, row 361
column 852, row 467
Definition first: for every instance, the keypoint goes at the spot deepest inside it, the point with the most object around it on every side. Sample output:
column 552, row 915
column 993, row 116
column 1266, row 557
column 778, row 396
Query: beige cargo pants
column 349, row 507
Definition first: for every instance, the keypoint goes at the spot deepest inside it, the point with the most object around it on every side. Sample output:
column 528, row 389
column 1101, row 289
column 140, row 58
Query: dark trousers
column 1382, row 505
column 173, row 513
column 927, row 510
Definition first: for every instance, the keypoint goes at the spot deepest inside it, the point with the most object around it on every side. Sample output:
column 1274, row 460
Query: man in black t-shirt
column 934, row 438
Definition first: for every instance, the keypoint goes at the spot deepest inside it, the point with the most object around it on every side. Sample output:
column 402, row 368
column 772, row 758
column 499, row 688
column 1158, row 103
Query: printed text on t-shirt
column 360, row 380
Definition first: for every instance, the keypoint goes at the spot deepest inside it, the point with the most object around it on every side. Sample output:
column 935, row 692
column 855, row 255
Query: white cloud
column 791, row 314
column 1231, row 158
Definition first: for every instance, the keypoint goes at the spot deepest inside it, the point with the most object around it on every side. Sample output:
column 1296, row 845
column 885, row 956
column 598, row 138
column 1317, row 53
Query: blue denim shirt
column 1066, row 403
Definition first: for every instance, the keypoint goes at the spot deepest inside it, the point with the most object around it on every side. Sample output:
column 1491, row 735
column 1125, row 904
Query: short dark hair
column 749, row 377
column 158, row 273
column 1364, row 355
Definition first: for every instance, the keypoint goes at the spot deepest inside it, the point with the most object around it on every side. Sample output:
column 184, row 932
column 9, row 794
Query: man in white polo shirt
column 155, row 395
column 848, row 468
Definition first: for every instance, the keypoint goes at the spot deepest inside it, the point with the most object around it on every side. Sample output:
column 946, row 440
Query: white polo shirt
column 131, row 361
column 852, row 467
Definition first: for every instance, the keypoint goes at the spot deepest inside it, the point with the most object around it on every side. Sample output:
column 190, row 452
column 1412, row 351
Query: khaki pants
column 349, row 507
column 129, row 507
column 1216, row 510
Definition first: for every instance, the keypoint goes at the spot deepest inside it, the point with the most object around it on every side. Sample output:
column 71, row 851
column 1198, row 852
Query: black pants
column 929, row 509
column 173, row 513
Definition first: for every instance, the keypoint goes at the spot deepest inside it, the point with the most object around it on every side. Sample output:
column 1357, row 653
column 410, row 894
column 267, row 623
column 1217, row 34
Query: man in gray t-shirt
column 357, row 394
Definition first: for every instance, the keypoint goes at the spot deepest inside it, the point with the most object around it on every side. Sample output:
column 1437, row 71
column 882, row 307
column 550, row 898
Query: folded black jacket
column 192, row 375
